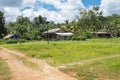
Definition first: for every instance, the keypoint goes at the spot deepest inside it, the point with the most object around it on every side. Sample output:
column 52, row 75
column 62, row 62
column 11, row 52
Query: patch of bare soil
column 20, row 71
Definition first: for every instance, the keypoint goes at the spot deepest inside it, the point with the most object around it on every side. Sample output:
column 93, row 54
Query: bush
column 11, row 41
column 74, row 38
column 83, row 38
column 2, row 40
column 39, row 38
column 88, row 35
column 22, row 40
column 78, row 38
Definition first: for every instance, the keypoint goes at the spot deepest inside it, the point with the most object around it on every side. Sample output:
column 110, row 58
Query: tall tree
column 113, row 24
column 2, row 23
column 90, row 20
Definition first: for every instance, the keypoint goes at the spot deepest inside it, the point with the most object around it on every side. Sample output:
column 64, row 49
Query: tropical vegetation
column 87, row 21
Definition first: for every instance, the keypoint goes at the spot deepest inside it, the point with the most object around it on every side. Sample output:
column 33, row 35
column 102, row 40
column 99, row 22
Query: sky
column 54, row 10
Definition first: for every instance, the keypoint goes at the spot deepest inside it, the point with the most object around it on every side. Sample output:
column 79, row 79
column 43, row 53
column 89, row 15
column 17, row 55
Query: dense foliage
column 91, row 20
column 2, row 22
column 30, row 30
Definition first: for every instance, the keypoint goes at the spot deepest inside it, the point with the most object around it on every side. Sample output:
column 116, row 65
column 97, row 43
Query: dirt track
column 88, row 61
column 20, row 71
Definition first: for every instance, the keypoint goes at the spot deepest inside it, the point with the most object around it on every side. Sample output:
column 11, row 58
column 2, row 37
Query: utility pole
column 47, row 33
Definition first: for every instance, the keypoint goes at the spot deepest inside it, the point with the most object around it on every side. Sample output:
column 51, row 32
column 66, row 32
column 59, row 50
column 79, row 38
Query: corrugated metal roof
column 101, row 32
column 65, row 34
column 8, row 36
column 52, row 30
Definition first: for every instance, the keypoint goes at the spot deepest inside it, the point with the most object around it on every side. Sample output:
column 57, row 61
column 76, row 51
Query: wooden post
column 47, row 33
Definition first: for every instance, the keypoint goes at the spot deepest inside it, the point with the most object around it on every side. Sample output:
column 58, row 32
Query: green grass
column 99, row 70
column 4, row 71
column 61, row 52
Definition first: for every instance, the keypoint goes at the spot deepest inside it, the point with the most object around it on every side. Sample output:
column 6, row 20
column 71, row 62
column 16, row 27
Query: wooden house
column 57, row 34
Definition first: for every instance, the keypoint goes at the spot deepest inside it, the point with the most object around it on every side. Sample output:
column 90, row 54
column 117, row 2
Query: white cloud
column 11, row 13
column 67, row 10
column 110, row 7
column 28, row 13
column 28, row 3
column 51, row 15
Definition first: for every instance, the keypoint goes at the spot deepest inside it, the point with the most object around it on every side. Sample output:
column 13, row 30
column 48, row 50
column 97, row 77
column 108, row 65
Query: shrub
column 88, row 35
column 82, row 38
column 38, row 38
column 79, row 38
column 2, row 40
column 73, row 38
column 11, row 41
column 22, row 40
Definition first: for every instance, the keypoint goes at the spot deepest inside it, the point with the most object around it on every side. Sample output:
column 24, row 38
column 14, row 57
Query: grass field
column 99, row 70
column 4, row 71
column 62, row 52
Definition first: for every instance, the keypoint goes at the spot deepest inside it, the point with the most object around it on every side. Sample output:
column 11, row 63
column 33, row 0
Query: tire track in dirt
column 88, row 61
column 22, row 72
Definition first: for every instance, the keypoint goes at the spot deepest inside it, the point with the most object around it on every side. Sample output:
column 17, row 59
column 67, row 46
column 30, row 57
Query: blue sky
column 47, row 6
column 88, row 3
column 38, row 4
column 55, row 10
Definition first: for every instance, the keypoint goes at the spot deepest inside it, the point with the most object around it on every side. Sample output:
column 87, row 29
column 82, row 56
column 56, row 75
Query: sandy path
column 22, row 72
column 88, row 61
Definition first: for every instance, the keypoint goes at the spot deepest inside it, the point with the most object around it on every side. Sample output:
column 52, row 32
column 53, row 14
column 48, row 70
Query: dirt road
column 22, row 71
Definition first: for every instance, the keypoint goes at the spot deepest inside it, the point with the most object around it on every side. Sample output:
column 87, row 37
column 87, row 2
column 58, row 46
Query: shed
column 11, row 36
column 102, row 34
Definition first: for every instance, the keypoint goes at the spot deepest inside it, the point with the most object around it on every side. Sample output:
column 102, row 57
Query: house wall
column 103, row 35
column 51, row 36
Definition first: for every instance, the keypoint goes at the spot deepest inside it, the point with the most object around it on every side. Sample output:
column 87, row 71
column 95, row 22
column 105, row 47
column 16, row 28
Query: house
column 57, row 34
column 102, row 34
column 11, row 36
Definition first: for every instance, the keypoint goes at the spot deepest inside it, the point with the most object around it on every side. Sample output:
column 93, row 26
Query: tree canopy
column 2, row 23
column 91, row 20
